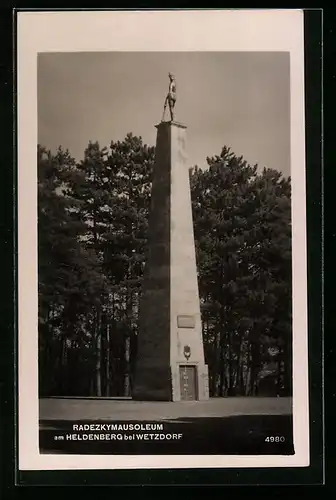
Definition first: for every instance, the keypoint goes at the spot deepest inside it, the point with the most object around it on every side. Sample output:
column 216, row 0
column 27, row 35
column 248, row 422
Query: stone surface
column 170, row 287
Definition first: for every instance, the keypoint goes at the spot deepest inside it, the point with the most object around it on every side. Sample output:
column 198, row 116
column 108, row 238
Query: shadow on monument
column 235, row 435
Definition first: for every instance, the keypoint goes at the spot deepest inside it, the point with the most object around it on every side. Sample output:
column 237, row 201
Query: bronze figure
column 171, row 97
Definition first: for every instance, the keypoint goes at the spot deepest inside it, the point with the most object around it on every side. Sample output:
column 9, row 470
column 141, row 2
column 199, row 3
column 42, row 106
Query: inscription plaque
column 185, row 321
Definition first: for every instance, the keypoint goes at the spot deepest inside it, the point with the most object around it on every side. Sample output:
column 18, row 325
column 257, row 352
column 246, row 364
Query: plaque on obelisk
column 170, row 362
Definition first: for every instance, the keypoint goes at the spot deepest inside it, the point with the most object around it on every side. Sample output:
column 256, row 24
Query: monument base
column 181, row 382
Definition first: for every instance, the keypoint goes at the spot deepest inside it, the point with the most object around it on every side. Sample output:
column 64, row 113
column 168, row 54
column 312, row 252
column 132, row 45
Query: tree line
column 92, row 230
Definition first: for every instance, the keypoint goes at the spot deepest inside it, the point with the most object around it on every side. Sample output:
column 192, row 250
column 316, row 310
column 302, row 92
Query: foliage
column 243, row 242
column 93, row 218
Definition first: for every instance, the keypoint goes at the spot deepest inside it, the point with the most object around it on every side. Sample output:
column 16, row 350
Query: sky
column 236, row 99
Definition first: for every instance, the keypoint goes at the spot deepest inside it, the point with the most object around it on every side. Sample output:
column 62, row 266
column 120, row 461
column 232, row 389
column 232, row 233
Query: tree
column 242, row 232
column 68, row 276
column 130, row 164
column 93, row 222
column 110, row 192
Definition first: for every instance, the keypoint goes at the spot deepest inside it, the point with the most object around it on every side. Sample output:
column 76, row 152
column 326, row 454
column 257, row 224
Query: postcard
column 161, row 240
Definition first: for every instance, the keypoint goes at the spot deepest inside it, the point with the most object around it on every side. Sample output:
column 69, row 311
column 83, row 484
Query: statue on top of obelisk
column 171, row 97
column 170, row 362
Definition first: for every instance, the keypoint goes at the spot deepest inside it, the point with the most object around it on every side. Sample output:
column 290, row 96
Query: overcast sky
column 237, row 99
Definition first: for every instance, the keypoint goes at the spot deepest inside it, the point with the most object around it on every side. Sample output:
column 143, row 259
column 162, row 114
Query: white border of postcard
column 203, row 30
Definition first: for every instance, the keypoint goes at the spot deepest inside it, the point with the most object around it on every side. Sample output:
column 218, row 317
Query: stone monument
column 170, row 362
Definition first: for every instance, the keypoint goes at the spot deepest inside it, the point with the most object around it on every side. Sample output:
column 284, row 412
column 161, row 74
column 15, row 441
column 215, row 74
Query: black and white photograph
column 169, row 234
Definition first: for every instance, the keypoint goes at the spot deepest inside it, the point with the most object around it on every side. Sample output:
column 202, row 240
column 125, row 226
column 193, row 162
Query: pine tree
column 111, row 190
column 93, row 218
column 68, row 276
column 242, row 232
column 130, row 163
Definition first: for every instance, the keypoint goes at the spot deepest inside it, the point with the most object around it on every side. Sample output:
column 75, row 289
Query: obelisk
column 170, row 363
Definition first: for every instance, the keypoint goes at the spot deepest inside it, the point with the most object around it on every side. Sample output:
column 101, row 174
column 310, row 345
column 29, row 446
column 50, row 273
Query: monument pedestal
column 170, row 359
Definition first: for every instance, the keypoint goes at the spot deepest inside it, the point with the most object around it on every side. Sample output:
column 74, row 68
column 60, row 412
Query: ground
column 218, row 426
column 126, row 409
